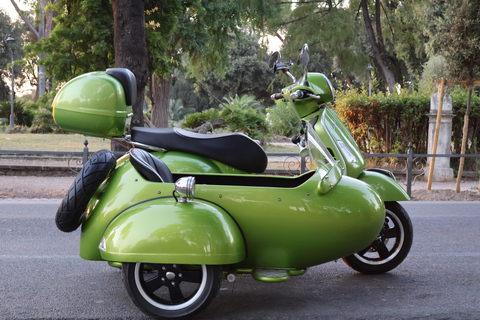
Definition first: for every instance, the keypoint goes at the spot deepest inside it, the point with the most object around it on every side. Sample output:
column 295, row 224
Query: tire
column 70, row 212
column 391, row 246
column 171, row 291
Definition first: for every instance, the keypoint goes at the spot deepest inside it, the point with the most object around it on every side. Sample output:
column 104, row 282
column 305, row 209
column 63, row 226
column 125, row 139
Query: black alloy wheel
column 171, row 290
column 391, row 246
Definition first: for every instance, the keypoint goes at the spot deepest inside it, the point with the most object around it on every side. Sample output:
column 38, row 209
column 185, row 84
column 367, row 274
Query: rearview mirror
column 275, row 58
column 304, row 56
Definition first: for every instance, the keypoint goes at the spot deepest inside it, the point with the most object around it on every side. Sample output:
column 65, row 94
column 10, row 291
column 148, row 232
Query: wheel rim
column 170, row 287
column 388, row 243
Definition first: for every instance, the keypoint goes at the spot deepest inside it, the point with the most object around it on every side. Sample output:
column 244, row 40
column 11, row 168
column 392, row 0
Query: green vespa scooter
column 181, row 210
column 307, row 97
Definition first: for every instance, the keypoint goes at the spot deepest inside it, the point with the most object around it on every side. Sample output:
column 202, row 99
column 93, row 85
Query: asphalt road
column 41, row 275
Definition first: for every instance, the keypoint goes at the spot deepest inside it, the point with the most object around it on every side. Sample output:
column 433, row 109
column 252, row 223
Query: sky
column 8, row 7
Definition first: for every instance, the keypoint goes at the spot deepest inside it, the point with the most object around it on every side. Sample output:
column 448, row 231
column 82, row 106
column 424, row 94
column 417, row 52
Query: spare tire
column 94, row 172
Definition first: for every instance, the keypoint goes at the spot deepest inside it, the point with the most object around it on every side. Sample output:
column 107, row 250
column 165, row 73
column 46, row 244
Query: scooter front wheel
column 169, row 290
column 390, row 247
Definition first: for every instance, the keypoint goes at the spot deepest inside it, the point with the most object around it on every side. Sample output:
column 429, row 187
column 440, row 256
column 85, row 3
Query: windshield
column 320, row 158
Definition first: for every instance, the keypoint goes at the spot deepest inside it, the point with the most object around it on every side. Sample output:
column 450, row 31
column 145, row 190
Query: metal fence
column 414, row 166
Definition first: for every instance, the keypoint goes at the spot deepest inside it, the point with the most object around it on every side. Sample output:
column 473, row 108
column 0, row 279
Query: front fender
column 386, row 187
column 165, row 231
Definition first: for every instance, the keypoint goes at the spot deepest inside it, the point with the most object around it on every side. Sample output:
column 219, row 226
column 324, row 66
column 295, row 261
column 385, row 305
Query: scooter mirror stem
column 291, row 76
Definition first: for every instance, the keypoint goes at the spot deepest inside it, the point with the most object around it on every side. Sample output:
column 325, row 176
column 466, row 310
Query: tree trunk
column 131, row 50
column 160, row 96
column 131, row 47
column 379, row 57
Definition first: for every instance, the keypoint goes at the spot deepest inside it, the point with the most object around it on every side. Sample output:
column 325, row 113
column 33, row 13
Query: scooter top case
column 96, row 103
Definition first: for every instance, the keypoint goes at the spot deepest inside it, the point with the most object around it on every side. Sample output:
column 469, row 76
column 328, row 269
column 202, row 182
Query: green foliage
column 43, row 116
column 7, row 26
column 283, row 119
column 177, row 111
column 385, row 124
column 82, row 40
column 196, row 119
column 459, row 98
column 433, row 70
column 23, row 115
column 458, row 38
column 241, row 115
column 247, row 74
column 381, row 123
column 200, row 30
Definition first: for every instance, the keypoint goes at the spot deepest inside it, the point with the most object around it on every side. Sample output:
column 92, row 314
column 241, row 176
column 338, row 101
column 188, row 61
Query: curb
column 40, row 171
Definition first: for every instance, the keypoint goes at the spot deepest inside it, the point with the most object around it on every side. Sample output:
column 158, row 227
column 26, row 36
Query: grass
column 74, row 143
column 50, row 142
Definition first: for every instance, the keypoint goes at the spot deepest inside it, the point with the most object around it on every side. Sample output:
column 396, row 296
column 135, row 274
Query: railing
column 292, row 163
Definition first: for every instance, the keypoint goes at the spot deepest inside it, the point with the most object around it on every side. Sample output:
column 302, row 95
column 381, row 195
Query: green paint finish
column 179, row 162
column 386, row 187
column 336, row 136
column 318, row 84
column 92, row 104
column 126, row 187
column 293, row 227
column 283, row 226
column 164, row 231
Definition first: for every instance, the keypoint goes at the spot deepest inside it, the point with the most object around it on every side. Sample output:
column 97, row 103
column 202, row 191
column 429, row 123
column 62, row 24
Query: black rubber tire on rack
column 94, row 172
column 391, row 246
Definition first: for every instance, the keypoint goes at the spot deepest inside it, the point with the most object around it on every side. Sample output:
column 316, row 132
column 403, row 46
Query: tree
column 38, row 35
column 81, row 41
column 330, row 29
column 8, row 27
column 196, row 31
column 459, row 36
column 131, row 47
column 354, row 34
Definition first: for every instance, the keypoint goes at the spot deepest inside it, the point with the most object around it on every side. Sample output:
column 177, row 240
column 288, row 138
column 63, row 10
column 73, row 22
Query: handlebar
column 299, row 94
column 276, row 96
column 296, row 95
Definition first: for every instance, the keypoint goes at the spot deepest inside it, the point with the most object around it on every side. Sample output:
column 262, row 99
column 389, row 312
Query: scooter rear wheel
column 169, row 290
column 390, row 247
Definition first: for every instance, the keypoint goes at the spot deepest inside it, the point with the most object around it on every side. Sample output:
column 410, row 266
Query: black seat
column 128, row 81
column 234, row 149
column 150, row 167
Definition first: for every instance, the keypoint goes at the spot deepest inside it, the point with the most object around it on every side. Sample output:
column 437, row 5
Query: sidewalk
column 33, row 187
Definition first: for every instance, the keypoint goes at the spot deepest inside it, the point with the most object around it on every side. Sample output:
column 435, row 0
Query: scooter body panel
column 338, row 139
column 126, row 188
column 283, row 227
column 298, row 227
column 386, row 187
column 163, row 230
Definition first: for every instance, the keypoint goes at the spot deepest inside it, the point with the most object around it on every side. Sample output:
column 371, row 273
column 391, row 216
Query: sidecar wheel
column 391, row 246
column 171, row 291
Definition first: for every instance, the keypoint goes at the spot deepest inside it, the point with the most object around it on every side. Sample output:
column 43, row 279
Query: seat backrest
column 150, row 167
column 128, row 81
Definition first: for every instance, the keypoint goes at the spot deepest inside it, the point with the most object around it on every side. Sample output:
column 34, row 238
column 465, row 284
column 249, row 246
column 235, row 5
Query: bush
column 43, row 117
column 385, row 124
column 23, row 116
column 382, row 123
column 241, row 114
column 282, row 119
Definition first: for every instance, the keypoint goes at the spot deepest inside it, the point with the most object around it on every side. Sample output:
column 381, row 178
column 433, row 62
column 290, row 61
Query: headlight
column 185, row 188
